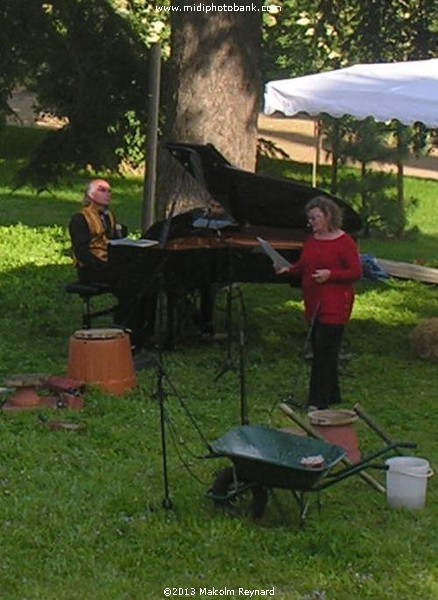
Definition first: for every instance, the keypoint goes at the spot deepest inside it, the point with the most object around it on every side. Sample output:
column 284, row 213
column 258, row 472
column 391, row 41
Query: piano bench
column 87, row 292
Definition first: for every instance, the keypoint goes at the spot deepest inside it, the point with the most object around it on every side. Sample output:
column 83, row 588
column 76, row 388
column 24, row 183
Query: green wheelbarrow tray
column 277, row 459
column 264, row 459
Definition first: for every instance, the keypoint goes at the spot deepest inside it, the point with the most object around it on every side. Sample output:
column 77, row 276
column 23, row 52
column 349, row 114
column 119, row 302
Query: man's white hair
column 91, row 187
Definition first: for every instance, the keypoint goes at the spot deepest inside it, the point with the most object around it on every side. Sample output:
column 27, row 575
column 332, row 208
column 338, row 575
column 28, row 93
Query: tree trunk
column 213, row 86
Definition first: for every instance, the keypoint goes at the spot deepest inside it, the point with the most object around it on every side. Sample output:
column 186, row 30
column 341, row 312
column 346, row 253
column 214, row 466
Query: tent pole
column 335, row 157
column 316, row 157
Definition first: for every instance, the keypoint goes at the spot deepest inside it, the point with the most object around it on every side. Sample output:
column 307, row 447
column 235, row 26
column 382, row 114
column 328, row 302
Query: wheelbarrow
column 264, row 459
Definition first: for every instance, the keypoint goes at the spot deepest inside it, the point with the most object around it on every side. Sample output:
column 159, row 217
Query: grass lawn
column 83, row 512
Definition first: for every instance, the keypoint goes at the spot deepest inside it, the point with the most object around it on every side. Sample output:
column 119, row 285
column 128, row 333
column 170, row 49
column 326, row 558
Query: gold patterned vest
column 99, row 239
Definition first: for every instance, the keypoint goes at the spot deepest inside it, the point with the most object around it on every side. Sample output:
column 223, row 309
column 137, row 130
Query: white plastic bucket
column 406, row 481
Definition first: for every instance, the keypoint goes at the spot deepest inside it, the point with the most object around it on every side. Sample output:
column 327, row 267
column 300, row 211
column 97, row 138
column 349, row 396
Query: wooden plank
column 409, row 271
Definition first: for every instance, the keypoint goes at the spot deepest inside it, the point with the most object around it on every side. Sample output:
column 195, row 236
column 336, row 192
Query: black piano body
column 256, row 201
column 187, row 259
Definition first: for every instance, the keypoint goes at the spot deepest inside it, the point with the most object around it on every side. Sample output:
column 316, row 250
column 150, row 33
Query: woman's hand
column 321, row 275
column 281, row 270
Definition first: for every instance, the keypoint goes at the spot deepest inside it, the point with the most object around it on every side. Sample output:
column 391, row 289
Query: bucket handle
column 429, row 473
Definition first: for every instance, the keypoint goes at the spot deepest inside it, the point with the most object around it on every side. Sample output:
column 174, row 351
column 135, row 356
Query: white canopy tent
column 406, row 91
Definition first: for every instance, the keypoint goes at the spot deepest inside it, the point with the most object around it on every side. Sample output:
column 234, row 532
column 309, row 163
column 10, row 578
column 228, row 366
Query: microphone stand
column 244, row 417
column 167, row 503
column 228, row 363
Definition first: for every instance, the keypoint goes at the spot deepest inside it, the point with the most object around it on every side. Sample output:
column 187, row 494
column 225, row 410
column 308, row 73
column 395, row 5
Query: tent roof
column 407, row 91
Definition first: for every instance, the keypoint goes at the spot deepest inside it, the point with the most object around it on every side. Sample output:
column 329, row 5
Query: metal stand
column 167, row 503
column 291, row 399
column 244, row 417
column 228, row 364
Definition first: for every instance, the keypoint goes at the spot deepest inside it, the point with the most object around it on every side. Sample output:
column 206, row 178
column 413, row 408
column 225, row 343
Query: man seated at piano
column 91, row 230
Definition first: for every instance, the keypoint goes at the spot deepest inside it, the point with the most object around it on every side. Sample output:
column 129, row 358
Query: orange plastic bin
column 337, row 427
column 102, row 357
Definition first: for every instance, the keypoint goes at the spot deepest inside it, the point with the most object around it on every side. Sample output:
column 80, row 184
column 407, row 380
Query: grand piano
column 185, row 258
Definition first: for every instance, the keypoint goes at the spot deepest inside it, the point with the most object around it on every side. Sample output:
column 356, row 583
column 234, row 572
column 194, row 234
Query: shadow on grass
column 383, row 317
column 37, row 319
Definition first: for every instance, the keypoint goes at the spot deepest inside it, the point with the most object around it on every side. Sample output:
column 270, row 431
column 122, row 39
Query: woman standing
column 328, row 267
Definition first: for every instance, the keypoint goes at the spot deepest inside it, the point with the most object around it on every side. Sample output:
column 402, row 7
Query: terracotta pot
column 337, row 427
column 102, row 357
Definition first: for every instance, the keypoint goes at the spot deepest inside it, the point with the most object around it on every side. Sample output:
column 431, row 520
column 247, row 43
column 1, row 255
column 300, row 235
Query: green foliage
column 18, row 142
column 21, row 24
column 373, row 199
column 421, row 216
column 132, row 152
column 91, row 70
column 151, row 24
column 269, row 149
column 364, row 142
column 319, row 35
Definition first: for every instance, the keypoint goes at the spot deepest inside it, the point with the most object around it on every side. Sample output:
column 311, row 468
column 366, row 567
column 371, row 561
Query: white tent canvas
column 407, row 91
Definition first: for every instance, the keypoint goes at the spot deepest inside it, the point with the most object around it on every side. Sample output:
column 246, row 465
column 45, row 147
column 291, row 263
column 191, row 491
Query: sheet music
column 278, row 260
column 131, row 242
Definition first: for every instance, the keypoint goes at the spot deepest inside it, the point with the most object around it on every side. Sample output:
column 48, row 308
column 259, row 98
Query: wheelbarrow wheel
column 241, row 498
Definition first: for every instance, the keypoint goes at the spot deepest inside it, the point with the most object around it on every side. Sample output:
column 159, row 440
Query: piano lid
column 256, row 200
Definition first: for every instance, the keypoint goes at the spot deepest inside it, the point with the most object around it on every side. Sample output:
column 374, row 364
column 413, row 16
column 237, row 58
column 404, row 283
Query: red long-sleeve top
column 332, row 301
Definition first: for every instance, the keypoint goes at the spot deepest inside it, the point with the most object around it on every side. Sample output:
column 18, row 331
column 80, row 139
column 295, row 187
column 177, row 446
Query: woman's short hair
column 329, row 208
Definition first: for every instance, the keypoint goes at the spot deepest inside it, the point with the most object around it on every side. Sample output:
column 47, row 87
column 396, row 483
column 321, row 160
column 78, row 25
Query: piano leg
column 229, row 364
column 171, row 304
column 206, row 308
column 204, row 318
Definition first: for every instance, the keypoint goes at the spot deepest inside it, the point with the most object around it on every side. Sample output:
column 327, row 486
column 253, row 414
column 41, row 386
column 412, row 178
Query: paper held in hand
column 278, row 260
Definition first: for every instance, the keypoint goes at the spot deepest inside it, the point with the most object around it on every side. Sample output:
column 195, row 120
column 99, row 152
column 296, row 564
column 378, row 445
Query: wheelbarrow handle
column 379, row 430
column 372, row 424
column 358, row 468
column 369, row 479
column 412, row 445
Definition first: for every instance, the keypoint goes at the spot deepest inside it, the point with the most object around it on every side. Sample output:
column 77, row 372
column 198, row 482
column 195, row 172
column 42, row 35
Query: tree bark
column 213, row 91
